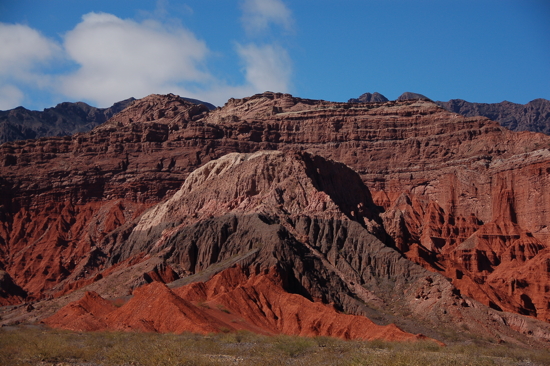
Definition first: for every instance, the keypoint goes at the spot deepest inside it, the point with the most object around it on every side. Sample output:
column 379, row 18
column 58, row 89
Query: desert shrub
column 294, row 346
column 41, row 346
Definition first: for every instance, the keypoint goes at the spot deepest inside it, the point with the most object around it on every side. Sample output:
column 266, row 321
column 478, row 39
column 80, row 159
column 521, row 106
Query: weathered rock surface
column 232, row 300
column 533, row 116
column 52, row 224
column 280, row 210
column 87, row 314
column 461, row 196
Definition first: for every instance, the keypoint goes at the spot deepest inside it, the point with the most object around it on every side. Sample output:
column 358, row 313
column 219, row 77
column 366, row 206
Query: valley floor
column 37, row 345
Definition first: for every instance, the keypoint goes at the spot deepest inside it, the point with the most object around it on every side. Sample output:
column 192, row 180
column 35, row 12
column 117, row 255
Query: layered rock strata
column 460, row 196
column 278, row 213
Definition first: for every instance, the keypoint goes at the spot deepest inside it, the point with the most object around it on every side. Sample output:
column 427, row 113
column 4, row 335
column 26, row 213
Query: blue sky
column 101, row 52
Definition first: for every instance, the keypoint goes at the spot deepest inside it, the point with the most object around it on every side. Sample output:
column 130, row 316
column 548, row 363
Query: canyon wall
column 460, row 196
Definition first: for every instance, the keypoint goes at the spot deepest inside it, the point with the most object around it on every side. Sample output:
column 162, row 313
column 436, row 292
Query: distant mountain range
column 533, row 116
column 62, row 120
column 69, row 118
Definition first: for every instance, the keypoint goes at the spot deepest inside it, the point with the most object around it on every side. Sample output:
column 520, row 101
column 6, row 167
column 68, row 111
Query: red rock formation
column 321, row 253
column 447, row 187
column 480, row 258
column 87, row 314
column 231, row 300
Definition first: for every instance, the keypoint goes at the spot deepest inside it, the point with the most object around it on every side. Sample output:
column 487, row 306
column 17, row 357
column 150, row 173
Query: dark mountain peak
column 64, row 119
column 369, row 98
column 539, row 101
column 71, row 105
column 123, row 103
column 412, row 96
column 210, row 106
column 533, row 116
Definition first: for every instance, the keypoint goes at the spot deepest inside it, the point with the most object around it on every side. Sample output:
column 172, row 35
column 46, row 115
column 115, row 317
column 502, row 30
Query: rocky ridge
column 533, row 116
column 277, row 213
column 461, row 196
column 62, row 120
column 369, row 98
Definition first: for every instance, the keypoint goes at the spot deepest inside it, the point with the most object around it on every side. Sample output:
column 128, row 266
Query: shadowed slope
column 266, row 210
column 436, row 177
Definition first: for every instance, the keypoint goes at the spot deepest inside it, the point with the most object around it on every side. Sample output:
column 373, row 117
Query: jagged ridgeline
column 399, row 211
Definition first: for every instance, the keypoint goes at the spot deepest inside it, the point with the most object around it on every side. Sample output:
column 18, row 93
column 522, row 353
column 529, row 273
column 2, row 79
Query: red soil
column 230, row 301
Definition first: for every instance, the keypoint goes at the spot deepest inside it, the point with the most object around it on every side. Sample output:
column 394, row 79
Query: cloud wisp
column 267, row 67
column 258, row 15
column 24, row 52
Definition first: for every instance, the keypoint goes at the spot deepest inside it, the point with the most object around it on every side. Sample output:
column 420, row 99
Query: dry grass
column 40, row 346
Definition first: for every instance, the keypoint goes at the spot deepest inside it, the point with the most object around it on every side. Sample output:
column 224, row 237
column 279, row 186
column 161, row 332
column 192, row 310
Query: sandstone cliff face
column 53, row 223
column 533, row 116
column 460, row 196
column 271, row 211
column 479, row 173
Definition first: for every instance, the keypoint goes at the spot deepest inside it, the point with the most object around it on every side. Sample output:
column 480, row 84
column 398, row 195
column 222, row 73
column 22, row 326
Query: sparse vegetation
column 202, row 304
column 31, row 345
column 224, row 309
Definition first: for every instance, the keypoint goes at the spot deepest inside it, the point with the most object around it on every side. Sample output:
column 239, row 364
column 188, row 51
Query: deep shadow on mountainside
column 399, row 211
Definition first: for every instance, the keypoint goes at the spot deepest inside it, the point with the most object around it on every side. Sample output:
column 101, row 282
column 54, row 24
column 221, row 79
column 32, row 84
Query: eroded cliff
column 462, row 197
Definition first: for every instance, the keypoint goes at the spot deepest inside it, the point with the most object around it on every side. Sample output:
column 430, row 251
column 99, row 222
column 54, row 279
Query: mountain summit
column 369, row 98
column 399, row 211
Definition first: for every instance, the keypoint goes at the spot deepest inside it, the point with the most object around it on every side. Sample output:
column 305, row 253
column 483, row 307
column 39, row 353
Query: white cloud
column 122, row 58
column 10, row 97
column 23, row 51
column 267, row 67
column 259, row 14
